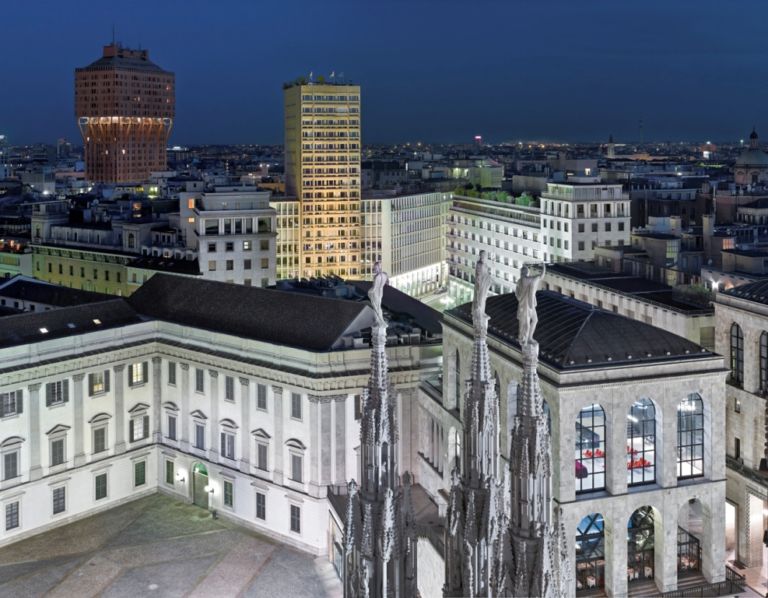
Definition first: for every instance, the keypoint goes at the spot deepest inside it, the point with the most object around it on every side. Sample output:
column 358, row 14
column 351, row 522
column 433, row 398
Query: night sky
column 435, row 71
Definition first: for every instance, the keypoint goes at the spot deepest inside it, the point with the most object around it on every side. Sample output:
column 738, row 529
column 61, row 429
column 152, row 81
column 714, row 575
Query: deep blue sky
column 431, row 70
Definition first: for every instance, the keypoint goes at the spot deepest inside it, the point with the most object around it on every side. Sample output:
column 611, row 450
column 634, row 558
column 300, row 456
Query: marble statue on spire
column 380, row 530
column 525, row 291
column 504, row 534
column 482, row 286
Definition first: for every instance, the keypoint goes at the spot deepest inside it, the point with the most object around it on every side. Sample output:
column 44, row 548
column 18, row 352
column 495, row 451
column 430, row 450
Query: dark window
column 295, row 405
column 10, row 465
column 11, row 515
column 139, row 473
column 57, row 451
column 227, row 445
column 690, row 437
column 169, row 473
column 737, row 448
column 200, row 437
column 101, row 486
column 172, row 427
column 261, row 397
column 100, row 439
column 229, row 388
column 172, row 373
column 737, row 355
column 261, row 506
column 764, row 361
column 59, row 500
column 296, row 468
column 199, row 380
column 295, row 519
column 228, row 494
column 590, row 449
column 261, row 456
column 641, row 443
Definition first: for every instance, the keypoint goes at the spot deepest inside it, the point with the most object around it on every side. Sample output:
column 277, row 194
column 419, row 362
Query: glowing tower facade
column 322, row 170
column 124, row 105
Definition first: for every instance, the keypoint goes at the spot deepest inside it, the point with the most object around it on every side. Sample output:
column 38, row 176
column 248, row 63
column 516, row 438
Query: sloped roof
column 573, row 334
column 33, row 327
column 754, row 291
column 38, row 291
column 308, row 322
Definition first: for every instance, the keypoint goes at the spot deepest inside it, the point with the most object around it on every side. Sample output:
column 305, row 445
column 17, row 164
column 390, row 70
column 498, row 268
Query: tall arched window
column 764, row 361
column 690, row 437
column 590, row 449
column 737, row 355
column 640, row 554
column 641, row 443
column 457, row 381
column 590, row 553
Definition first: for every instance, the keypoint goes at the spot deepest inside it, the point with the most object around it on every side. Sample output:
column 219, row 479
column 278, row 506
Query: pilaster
column 77, row 403
column 615, row 445
column 157, row 399
column 184, row 440
column 245, row 425
column 712, row 544
column 314, row 446
column 665, row 547
column 615, row 555
column 277, row 472
column 35, row 470
column 325, row 441
column 340, row 414
column 120, row 445
column 213, row 451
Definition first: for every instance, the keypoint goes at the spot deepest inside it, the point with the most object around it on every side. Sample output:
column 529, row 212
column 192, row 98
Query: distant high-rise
column 125, row 106
column 322, row 169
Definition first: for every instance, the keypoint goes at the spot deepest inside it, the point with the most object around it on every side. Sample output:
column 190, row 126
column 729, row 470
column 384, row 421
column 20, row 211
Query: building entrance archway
column 199, row 484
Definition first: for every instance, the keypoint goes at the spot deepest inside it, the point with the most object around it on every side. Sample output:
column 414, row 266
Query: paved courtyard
column 158, row 546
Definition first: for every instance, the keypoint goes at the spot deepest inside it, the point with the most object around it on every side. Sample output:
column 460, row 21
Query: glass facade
column 690, row 437
column 641, row 443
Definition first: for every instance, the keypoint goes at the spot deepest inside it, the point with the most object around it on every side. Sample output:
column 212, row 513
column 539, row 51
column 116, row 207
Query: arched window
column 690, row 437
column 640, row 557
column 764, row 361
column 131, row 241
column 590, row 553
column 590, row 449
column 737, row 355
column 641, row 443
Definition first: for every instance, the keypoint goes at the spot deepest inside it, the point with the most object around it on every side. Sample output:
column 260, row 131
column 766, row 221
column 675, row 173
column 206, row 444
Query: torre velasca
column 124, row 104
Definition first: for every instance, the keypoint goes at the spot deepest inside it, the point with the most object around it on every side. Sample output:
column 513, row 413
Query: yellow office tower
column 322, row 170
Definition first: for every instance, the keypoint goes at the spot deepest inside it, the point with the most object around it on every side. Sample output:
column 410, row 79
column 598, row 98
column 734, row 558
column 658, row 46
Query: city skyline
column 547, row 71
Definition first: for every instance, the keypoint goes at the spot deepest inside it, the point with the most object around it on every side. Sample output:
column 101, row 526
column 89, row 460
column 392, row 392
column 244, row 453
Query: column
column 213, row 451
column 245, row 426
column 325, row 441
column 77, row 403
column 665, row 547
column 666, row 443
column 119, row 409
column 184, row 427
column 157, row 399
column 616, row 449
column 314, row 445
column 615, row 556
column 712, row 544
column 35, row 471
column 277, row 473
column 564, row 478
column 405, row 406
column 340, row 413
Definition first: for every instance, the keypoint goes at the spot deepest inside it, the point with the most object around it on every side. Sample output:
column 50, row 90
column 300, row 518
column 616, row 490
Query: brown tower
column 125, row 106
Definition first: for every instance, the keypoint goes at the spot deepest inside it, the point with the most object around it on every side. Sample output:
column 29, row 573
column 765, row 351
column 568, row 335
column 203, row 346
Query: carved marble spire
column 380, row 536
column 503, row 535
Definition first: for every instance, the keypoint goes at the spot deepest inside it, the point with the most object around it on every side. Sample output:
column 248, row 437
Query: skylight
column 44, row 330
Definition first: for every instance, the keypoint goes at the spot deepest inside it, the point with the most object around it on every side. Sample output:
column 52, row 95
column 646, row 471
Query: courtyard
column 159, row 546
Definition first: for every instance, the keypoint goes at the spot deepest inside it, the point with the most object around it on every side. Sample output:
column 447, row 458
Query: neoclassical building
column 239, row 399
column 741, row 334
column 638, row 464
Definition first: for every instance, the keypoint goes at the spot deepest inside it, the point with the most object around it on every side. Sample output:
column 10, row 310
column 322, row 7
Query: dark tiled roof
column 398, row 303
column 27, row 327
column 166, row 264
column 572, row 334
column 48, row 294
column 292, row 319
column 754, row 291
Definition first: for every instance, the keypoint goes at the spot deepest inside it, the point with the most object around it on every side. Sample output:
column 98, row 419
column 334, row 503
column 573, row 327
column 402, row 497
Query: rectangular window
column 261, row 506
column 98, row 383
column 296, row 468
column 247, row 245
column 138, row 373
column 229, row 246
column 358, row 407
column 737, row 405
column 11, row 515
column 229, row 388
column 247, row 264
column 57, row 451
column 138, row 428
column 169, row 473
column 211, row 265
column 10, row 465
column 295, row 519
column 56, row 393
column 261, row 456
column 230, row 264
column 264, row 263
column 200, row 437
column 227, row 445
column 199, row 380
column 101, row 486
column 172, row 427
column 261, row 397
column 264, row 245
column 140, row 473
column 100, row 439
column 10, row 403
column 229, row 499
column 211, row 247
column 172, row 373
column 59, row 500
column 295, row 405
